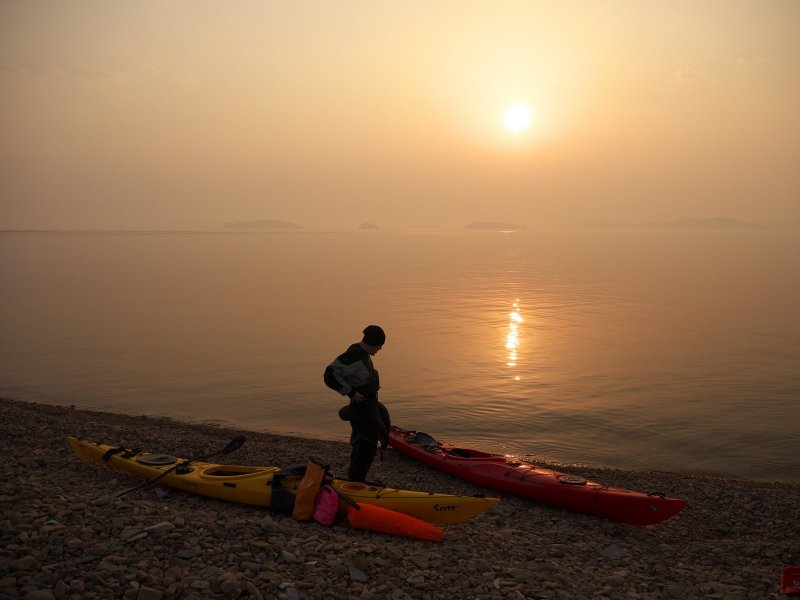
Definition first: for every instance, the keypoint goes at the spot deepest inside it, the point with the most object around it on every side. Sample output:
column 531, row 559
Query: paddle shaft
column 348, row 500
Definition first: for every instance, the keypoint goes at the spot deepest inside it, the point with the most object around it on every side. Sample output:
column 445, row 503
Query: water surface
column 658, row 350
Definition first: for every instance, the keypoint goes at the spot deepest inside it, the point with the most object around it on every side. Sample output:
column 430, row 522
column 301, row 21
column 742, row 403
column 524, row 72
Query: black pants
column 362, row 453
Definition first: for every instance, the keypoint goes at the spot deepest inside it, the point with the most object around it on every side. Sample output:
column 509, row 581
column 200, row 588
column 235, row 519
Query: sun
column 517, row 117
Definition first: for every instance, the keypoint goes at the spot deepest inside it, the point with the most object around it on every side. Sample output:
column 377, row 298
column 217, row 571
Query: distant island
column 263, row 224
column 493, row 226
column 702, row 224
column 368, row 226
column 710, row 223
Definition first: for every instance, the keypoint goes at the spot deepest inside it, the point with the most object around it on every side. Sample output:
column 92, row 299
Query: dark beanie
column 374, row 336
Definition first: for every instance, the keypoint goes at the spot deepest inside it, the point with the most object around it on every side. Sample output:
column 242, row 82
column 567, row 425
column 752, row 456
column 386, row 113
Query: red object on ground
column 507, row 474
column 790, row 580
column 383, row 520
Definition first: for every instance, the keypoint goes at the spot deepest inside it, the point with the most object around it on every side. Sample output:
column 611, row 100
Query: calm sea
column 657, row 350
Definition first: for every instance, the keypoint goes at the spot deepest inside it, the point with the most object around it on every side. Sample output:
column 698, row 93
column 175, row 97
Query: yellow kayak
column 255, row 485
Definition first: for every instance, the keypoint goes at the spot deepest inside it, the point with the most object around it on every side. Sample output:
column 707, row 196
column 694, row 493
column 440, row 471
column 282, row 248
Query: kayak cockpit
column 469, row 454
column 234, row 471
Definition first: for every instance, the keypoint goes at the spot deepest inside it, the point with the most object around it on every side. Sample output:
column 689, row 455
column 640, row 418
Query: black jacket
column 351, row 372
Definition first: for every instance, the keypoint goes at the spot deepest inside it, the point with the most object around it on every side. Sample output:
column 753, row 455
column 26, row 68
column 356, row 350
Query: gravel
column 59, row 539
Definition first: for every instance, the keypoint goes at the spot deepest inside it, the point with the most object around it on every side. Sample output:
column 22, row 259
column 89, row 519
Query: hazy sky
column 186, row 114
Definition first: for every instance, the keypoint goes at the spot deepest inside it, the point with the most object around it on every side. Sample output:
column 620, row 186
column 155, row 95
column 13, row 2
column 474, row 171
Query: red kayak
column 509, row 474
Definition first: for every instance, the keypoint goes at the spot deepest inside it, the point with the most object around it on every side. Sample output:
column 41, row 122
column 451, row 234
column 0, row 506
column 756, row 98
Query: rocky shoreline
column 60, row 538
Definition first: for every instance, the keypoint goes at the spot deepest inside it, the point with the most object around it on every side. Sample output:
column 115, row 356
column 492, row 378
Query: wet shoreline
column 58, row 541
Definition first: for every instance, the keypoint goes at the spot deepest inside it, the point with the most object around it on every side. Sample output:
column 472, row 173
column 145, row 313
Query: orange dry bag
column 308, row 491
column 383, row 520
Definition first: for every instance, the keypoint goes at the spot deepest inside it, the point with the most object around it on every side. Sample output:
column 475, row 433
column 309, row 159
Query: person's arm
column 344, row 375
column 334, row 380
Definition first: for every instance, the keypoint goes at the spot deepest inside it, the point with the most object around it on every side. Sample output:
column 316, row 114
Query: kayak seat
column 224, row 473
column 461, row 452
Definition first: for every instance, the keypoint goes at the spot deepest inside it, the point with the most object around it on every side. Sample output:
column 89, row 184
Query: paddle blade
column 234, row 444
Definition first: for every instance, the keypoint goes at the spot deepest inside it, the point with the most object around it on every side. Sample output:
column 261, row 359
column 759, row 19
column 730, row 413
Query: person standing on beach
column 352, row 374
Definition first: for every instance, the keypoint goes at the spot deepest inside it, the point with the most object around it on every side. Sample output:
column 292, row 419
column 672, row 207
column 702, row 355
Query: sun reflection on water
column 512, row 338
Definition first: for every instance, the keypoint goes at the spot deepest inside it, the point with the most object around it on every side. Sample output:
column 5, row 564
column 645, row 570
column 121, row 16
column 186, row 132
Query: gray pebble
column 503, row 510
column 676, row 591
column 39, row 595
column 160, row 527
column 253, row 591
column 146, row 593
column 357, row 574
column 614, row 553
column 26, row 563
column 250, row 566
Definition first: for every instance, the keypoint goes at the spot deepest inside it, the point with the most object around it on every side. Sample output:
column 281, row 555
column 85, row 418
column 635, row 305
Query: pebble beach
column 61, row 537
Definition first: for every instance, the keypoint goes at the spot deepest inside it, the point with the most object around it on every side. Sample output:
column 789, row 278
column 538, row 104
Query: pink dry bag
column 327, row 506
